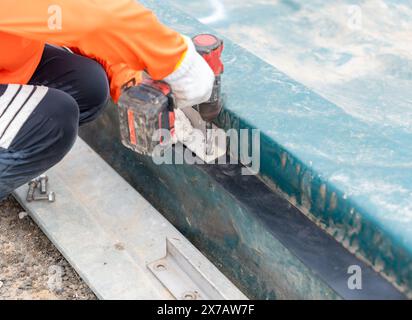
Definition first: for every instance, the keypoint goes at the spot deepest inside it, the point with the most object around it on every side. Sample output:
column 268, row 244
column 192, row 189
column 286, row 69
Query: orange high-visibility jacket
column 122, row 35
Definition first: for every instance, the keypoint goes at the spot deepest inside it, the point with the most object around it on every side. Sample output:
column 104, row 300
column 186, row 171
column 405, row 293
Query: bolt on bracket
column 182, row 275
column 41, row 184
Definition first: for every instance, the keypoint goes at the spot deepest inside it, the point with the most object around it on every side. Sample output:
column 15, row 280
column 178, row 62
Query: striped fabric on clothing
column 16, row 105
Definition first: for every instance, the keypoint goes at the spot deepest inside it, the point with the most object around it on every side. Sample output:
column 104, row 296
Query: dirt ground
column 30, row 266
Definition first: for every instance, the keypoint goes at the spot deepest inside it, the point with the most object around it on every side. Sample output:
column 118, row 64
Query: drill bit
column 209, row 138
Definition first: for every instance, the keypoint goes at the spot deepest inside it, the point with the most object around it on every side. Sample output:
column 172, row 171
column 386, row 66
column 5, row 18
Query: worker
column 47, row 91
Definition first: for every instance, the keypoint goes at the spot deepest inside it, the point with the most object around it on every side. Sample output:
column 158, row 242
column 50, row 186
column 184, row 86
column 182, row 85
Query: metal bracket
column 183, row 277
column 202, row 148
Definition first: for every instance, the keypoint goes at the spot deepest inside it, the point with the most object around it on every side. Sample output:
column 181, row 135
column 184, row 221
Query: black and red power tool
column 149, row 107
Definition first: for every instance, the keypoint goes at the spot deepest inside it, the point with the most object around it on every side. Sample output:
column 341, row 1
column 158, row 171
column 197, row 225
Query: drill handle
column 210, row 48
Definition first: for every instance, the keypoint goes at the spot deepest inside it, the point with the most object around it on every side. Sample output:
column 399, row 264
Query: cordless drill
column 146, row 109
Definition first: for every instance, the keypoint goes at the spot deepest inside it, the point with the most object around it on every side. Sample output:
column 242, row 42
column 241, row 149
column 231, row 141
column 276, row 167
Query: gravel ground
column 30, row 266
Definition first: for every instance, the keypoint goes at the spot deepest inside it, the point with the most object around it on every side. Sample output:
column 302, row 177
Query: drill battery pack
column 146, row 117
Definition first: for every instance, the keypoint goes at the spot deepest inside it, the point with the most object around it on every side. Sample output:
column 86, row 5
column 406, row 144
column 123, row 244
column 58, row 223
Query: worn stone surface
column 345, row 160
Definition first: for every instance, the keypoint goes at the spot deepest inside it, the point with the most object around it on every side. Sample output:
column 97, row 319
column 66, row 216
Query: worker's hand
column 192, row 81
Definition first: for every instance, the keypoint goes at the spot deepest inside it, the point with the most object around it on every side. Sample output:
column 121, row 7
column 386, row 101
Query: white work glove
column 192, row 83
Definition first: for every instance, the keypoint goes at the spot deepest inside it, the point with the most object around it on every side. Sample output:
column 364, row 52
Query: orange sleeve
column 122, row 35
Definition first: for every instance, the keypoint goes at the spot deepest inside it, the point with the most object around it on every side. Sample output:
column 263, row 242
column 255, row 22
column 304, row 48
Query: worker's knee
column 96, row 91
column 51, row 128
column 82, row 78
column 49, row 132
column 62, row 123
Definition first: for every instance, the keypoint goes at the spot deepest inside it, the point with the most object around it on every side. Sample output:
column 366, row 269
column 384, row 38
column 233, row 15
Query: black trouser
column 39, row 121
